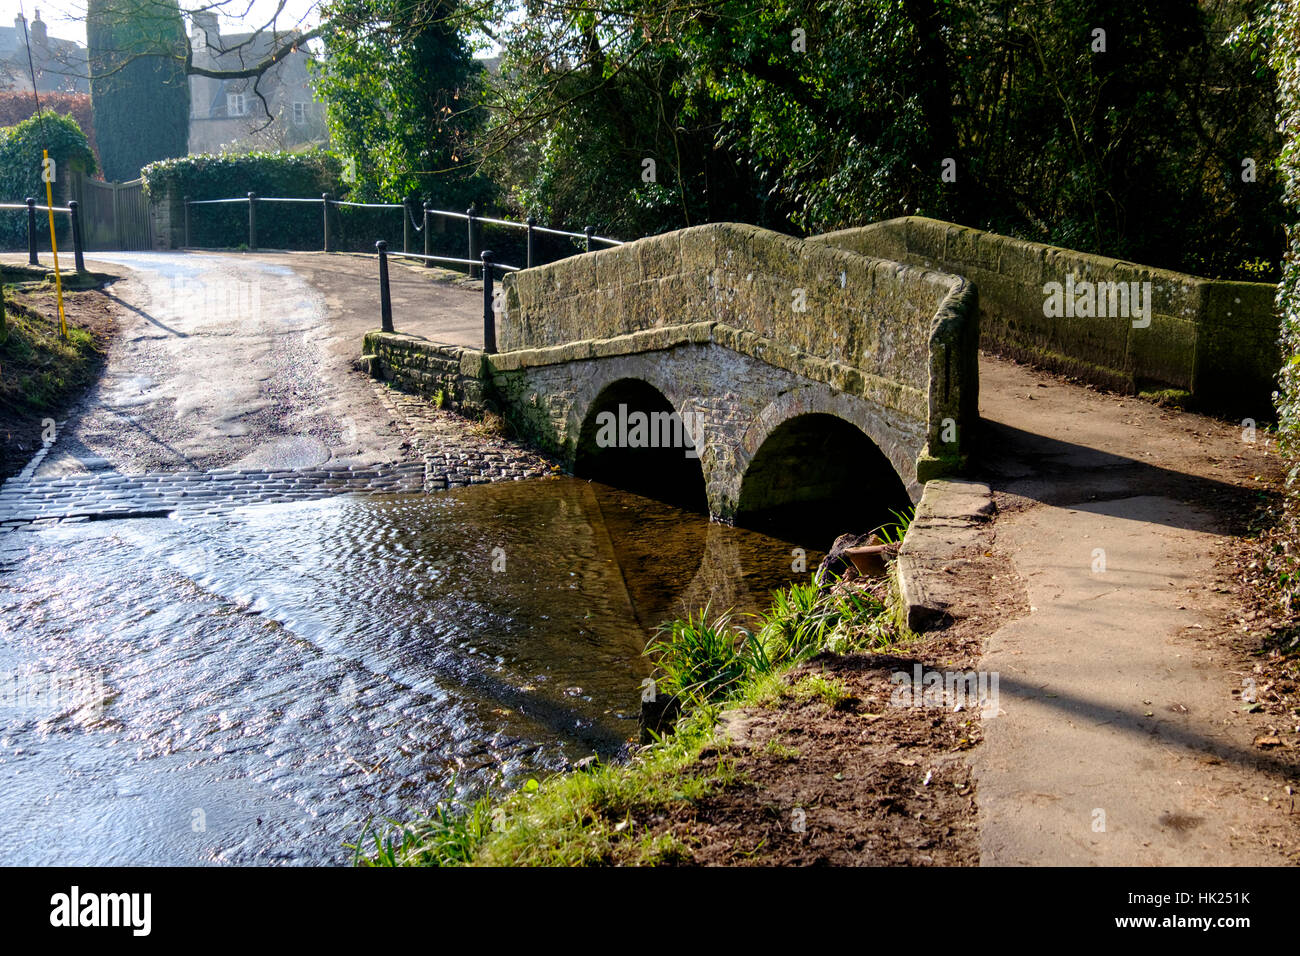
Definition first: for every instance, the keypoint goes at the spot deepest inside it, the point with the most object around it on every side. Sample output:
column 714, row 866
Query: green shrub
column 702, row 660
column 1285, row 58
column 803, row 621
column 299, row 175
column 21, row 155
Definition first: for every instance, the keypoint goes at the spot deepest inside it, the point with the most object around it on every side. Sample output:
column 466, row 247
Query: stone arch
column 814, row 474
column 895, row 435
column 653, row 452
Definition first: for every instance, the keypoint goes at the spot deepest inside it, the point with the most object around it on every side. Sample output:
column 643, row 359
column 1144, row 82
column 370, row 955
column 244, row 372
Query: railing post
column 252, row 222
column 532, row 221
column 31, row 232
column 385, row 302
column 187, row 223
column 586, row 231
column 78, row 257
column 407, row 202
column 489, row 314
column 471, row 214
column 325, row 221
column 428, row 242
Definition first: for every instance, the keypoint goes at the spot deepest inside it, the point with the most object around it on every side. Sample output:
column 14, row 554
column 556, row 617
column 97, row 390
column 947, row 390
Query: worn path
column 1122, row 737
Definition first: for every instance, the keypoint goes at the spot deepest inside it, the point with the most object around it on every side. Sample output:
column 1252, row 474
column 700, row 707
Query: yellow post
column 54, row 244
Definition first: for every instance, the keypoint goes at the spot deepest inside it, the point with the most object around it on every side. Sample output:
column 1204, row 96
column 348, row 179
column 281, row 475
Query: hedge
column 1285, row 59
column 21, row 155
column 303, row 175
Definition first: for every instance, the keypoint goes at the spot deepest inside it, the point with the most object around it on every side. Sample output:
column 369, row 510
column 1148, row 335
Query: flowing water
column 254, row 686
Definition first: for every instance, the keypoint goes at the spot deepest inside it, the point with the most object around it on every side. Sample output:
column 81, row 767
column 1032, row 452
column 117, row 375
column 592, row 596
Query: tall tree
column 1111, row 126
column 139, row 90
column 400, row 91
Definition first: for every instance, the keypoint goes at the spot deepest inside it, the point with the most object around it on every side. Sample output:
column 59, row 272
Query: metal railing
column 476, row 261
column 31, row 208
column 410, row 227
column 489, row 268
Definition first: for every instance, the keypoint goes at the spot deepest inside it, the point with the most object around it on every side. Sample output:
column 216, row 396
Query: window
column 236, row 104
column 299, row 114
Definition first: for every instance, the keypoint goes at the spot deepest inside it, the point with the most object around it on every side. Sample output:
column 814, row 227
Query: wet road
column 242, row 361
column 243, row 664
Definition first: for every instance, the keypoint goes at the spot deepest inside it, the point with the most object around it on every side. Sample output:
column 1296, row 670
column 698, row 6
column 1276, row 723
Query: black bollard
column 385, row 302
column 325, row 220
column 31, row 232
column 77, row 256
column 428, row 242
column 489, row 314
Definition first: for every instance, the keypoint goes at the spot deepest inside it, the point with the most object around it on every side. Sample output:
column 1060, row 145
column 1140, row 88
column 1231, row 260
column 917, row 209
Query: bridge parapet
column 1214, row 339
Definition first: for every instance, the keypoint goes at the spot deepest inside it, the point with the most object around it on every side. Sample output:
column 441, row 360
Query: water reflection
column 283, row 672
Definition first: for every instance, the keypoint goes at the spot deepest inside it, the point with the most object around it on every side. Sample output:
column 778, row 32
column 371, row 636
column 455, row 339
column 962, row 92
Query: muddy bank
column 42, row 377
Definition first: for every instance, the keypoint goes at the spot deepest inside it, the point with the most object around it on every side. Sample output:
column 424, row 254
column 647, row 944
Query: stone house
column 60, row 64
column 279, row 111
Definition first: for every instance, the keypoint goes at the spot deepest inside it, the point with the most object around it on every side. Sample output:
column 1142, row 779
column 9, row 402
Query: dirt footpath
column 1125, row 736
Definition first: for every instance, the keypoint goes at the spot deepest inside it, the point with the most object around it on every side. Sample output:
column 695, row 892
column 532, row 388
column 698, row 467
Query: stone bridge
column 804, row 372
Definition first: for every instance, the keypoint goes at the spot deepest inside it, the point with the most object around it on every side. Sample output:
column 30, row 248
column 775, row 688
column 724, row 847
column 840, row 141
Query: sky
column 66, row 18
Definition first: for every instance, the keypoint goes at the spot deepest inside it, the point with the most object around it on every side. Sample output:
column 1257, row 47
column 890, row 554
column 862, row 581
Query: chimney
column 38, row 31
column 205, row 23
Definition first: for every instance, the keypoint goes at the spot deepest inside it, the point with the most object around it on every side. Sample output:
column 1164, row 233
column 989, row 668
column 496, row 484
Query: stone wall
column 414, row 364
column 167, row 212
column 1215, row 340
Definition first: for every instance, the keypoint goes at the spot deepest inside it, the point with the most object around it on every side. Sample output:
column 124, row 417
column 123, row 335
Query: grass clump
column 490, row 425
column 779, row 751
column 449, row 836
column 1167, row 397
column 893, row 532
column 702, row 660
column 817, row 687
column 38, row 367
column 807, row 619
